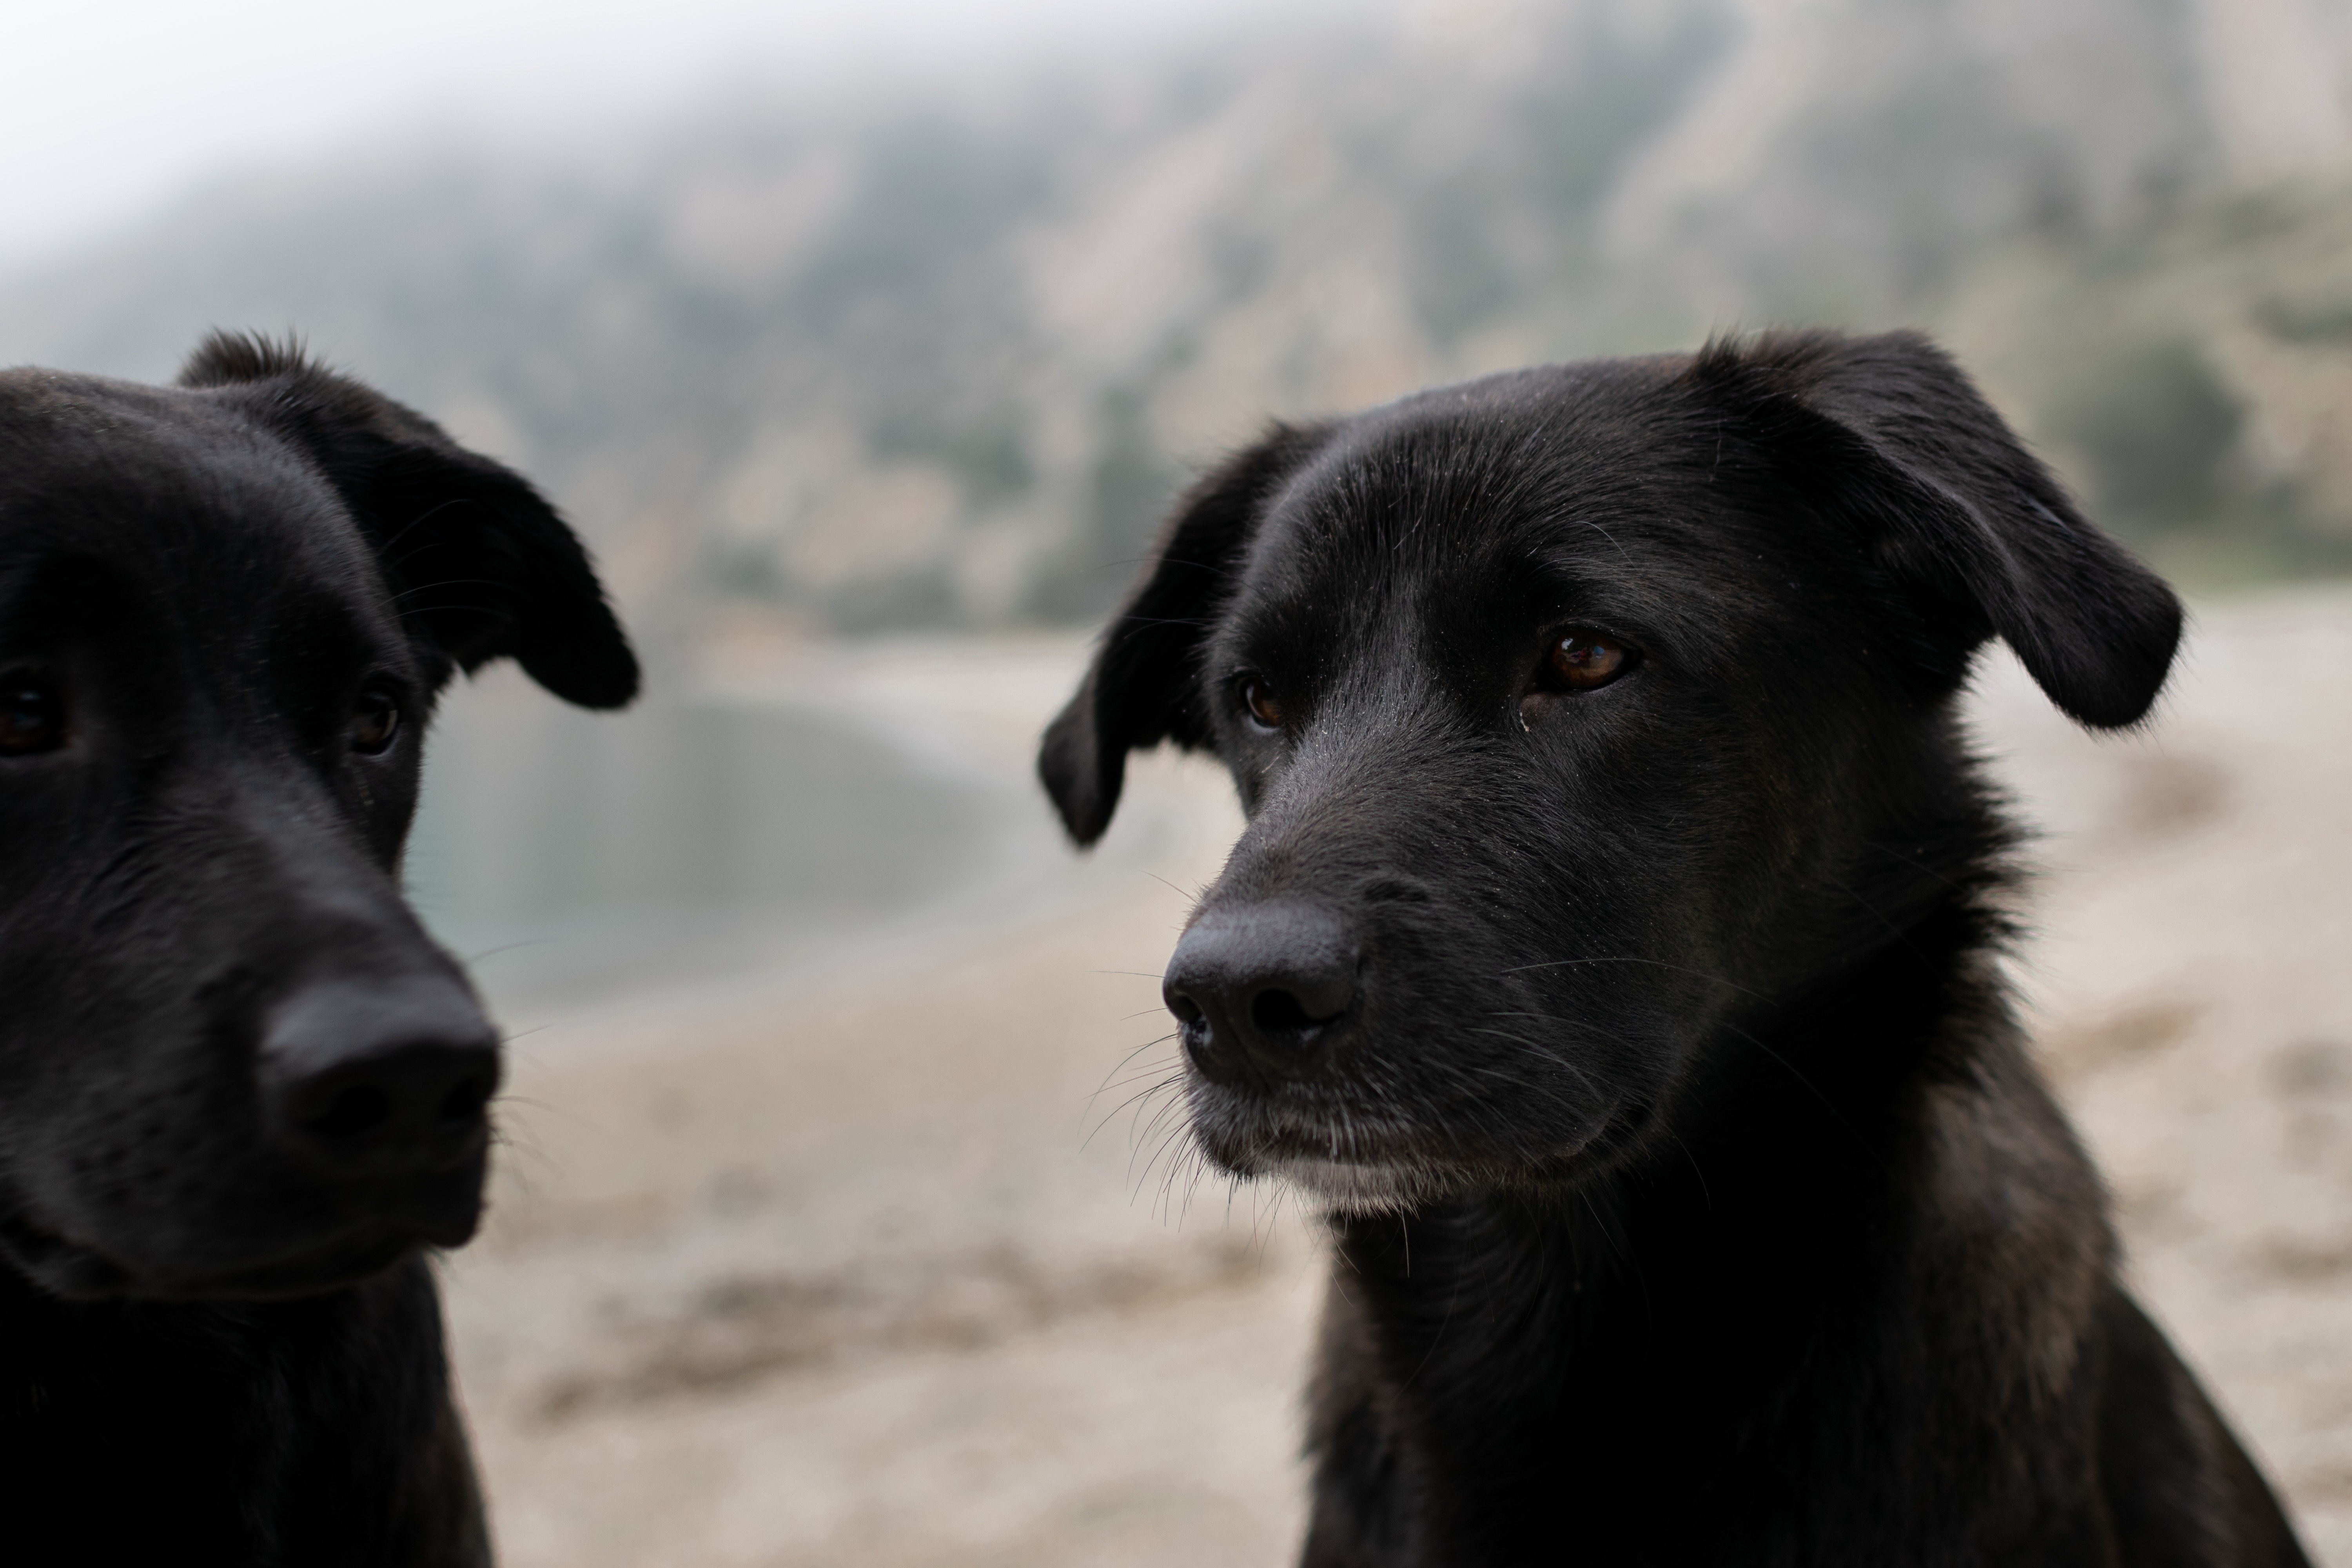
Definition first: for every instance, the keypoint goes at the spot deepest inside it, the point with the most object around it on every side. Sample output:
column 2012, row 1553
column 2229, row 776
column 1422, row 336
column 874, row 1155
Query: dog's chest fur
column 1880, row 1305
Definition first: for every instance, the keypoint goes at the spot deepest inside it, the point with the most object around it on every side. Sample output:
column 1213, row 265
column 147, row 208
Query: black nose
column 1258, row 989
column 383, row 1078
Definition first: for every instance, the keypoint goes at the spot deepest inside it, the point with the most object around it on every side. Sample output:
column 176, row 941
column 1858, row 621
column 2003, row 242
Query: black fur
column 1695, row 1196
column 220, row 1342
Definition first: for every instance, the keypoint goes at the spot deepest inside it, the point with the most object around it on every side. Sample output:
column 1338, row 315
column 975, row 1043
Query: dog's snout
column 1259, row 990
column 381, row 1079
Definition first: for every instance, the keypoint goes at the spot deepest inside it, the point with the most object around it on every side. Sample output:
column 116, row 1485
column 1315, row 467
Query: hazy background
column 846, row 319
column 866, row 342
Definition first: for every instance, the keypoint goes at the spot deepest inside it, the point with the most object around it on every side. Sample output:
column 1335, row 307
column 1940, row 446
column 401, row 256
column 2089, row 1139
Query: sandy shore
column 880, row 1261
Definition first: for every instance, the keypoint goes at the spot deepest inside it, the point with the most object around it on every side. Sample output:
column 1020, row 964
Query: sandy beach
column 889, row 1256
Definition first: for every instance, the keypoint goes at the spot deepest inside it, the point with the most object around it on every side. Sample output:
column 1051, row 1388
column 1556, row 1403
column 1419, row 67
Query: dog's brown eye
column 1263, row 704
column 376, row 722
column 1583, row 660
column 31, row 718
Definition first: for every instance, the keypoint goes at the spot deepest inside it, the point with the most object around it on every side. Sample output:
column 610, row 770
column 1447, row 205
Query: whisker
column 1173, row 888
column 440, row 582
column 1136, row 1098
column 1830, row 1105
column 1122, row 1062
column 509, row 947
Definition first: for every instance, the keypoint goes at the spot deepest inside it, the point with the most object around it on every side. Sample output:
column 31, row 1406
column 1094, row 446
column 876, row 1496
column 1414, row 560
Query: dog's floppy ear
column 1889, row 431
column 479, row 560
column 1139, row 689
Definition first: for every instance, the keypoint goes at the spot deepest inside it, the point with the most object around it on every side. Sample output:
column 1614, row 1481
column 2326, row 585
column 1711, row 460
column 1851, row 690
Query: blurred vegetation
column 2192, row 376
column 937, row 355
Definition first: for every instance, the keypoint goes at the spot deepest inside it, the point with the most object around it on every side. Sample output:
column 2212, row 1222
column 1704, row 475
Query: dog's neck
column 1738, row 1297
column 244, row 1432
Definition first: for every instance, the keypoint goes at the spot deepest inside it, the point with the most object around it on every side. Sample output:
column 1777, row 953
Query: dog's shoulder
column 2014, row 1247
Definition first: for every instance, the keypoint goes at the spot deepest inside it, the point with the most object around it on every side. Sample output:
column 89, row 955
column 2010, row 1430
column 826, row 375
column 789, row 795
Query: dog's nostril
column 1281, row 1012
column 466, row 1100
column 375, row 1079
column 1262, row 990
column 354, row 1112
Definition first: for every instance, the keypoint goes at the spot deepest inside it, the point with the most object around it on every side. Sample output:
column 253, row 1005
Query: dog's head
column 1577, row 713
column 232, row 1065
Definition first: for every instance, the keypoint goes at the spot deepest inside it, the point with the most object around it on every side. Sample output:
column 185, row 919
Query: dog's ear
column 479, row 560
column 1140, row 688
column 1890, row 432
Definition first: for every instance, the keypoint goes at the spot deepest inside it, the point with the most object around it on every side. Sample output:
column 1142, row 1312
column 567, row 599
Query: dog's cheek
column 1249, row 783
column 57, row 985
column 1250, row 767
column 80, row 1066
column 391, row 808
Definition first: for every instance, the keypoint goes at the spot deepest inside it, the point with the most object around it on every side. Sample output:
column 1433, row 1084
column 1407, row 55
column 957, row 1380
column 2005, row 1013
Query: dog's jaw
column 77, row 1264
column 65, row 1266
column 1348, row 1160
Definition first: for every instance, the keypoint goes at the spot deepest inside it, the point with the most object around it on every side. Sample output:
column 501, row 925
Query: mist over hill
column 919, row 354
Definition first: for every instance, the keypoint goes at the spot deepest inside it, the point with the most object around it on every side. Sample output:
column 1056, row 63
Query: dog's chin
column 1343, row 1163
column 1342, row 1187
column 58, row 1264
column 1349, row 1162
column 77, row 1271
column 334, row 1265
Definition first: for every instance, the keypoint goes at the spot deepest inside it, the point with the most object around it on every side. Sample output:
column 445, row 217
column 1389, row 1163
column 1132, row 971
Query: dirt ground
column 876, row 1260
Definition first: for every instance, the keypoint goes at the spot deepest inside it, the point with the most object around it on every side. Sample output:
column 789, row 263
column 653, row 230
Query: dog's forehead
column 1602, row 478
column 159, row 484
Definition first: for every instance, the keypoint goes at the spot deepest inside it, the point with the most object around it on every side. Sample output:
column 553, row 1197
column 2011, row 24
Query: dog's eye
column 375, row 720
column 1583, row 660
column 32, row 719
column 1258, row 697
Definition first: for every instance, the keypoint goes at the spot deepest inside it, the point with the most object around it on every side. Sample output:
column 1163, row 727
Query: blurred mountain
column 932, row 354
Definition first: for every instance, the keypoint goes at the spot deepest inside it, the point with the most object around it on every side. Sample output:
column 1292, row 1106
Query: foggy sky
column 109, row 106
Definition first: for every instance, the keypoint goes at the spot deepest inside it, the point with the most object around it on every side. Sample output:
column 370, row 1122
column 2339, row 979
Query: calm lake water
column 567, row 856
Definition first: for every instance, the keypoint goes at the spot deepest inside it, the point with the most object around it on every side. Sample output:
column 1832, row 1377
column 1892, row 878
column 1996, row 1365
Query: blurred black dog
column 240, row 1089
column 1611, row 951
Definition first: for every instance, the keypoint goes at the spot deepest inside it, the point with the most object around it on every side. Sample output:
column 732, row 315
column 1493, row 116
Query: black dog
column 1611, row 951
column 240, row 1089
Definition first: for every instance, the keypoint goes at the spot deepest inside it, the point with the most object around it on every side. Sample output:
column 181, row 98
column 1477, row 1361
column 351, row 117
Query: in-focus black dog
column 240, row 1089
column 1611, row 951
